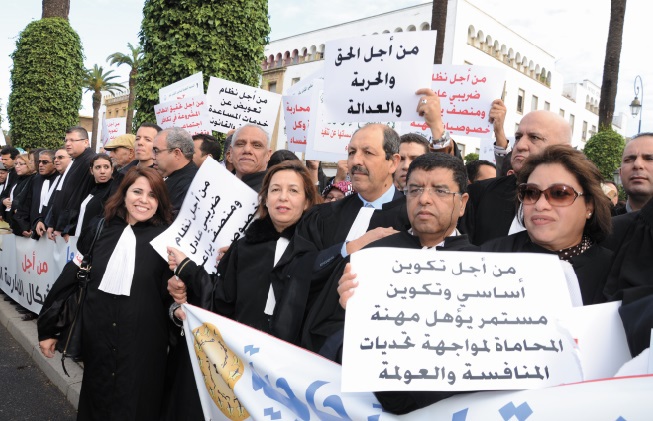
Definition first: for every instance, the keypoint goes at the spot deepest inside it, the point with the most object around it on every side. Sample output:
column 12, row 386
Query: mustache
column 359, row 169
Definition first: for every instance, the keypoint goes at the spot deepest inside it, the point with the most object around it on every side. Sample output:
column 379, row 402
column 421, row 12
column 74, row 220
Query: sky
column 575, row 32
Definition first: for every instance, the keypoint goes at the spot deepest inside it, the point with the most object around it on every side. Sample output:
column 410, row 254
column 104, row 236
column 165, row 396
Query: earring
column 589, row 215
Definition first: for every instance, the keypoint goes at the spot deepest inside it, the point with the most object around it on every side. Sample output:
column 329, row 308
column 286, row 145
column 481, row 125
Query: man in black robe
column 76, row 183
column 249, row 154
column 173, row 158
column 492, row 206
column 43, row 186
column 636, row 172
column 435, row 199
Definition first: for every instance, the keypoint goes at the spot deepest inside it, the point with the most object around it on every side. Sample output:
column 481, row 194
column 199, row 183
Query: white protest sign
column 421, row 320
column 112, row 128
column 189, row 113
column 188, row 87
column 232, row 105
column 216, row 211
column 3, row 141
column 374, row 78
column 297, row 115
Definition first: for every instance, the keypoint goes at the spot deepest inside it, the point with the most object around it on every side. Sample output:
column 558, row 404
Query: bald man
column 491, row 208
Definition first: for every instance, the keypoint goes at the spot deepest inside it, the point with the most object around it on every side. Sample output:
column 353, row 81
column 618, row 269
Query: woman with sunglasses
column 566, row 213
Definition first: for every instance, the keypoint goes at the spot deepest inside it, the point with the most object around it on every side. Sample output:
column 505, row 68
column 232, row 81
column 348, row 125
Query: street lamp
column 636, row 105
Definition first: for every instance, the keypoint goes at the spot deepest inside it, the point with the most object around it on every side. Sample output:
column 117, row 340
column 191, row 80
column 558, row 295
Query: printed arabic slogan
column 466, row 94
column 456, row 321
column 190, row 113
column 187, row 87
column 112, row 128
column 297, row 116
column 216, row 211
column 232, row 105
column 374, row 78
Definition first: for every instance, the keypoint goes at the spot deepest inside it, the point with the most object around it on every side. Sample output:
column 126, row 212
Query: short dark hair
column 152, row 126
column 209, row 145
column 280, row 156
column 599, row 225
column 99, row 156
column 8, row 150
column 433, row 160
column 415, row 138
column 115, row 205
column 473, row 167
column 79, row 130
column 312, row 196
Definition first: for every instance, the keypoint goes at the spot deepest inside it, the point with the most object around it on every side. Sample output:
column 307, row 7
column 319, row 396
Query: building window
column 272, row 87
column 516, row 127
column 534, row 102
column 572, row 122
column 547, row 105
column 520, row 101
column 294, row 80
column 584, row 134
column 562, row 112
column 593, row 131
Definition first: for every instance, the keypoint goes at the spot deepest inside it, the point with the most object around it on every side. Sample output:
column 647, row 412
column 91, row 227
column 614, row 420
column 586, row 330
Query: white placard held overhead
column 453, row 321
column 232, row 105
column 216, row 211
column 112, row 128
column 189, row 113
column 374, row 78
column 188, row 87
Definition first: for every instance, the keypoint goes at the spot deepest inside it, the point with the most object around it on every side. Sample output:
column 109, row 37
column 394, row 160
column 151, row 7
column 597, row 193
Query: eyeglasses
column 73, row 140
column 59, row 157
column 156, row 151
column 556, row 195
column 417, row 191
column 44, row 162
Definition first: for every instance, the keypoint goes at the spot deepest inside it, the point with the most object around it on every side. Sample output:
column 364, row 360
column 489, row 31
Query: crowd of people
column 290, row 275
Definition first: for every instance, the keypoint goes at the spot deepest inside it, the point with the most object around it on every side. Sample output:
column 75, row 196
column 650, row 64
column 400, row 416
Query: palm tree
column 133, row 60
column 55, row 9
column 439, row 23
column 97, row 81
column 611, row 63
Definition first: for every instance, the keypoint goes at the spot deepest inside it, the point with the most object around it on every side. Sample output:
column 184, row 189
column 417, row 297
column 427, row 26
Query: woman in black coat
column 93, row 206
column 20, row 197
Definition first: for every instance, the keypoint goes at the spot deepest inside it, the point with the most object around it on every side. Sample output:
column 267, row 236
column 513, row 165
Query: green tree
column 471, row 157
column 223, row 38
column 133, row 60
column 46, row 83
column 97, row 81
column 605, row 149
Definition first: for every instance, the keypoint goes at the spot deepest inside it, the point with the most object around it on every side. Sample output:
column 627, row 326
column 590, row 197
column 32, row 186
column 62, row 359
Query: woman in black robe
column 20, row 197
column 93, row 206
column 251, row 285
column 565, row 213
column 125, row 329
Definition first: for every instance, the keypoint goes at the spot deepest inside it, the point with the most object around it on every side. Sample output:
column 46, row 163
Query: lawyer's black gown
column 125, row 338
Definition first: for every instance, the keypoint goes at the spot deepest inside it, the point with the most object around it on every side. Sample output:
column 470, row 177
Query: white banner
column 28, row 268
column 191, row 86
column 242, row 373
column 233, row 105
column 112, row 128
column 375, row 77
column 457, row 321
column 191, row 114
column 216, row 211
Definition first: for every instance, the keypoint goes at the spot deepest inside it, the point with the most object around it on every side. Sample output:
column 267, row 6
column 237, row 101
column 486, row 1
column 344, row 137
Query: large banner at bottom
column 28, row 268
column 244, row 374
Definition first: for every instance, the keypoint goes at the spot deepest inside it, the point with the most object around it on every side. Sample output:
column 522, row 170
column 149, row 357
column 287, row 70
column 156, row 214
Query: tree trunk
column 130, row 102
column 611, row 64
column 55, row 9
column 439, row 23
column 97, row 101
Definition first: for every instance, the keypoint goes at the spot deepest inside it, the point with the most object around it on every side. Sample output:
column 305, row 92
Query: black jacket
column 178, row 183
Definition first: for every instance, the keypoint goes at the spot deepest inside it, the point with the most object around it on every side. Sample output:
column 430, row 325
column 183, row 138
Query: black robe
column 255, row 180
column 35, row 199
column 125, row 338
column 591, row 267
column 64, row 210
column 325, row 322
column 178, row 184
column 19, row 217
column 95, row 206
column 490, row 210
column 238, row 291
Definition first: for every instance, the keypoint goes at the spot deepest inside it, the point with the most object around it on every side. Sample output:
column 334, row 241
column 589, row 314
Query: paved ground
column 25, row 392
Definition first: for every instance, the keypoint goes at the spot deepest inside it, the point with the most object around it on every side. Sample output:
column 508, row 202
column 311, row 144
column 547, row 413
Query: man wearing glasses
column 73, row 187
column 61, row 160
column 173, row 158
column 491, row 211
column 42, row 188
